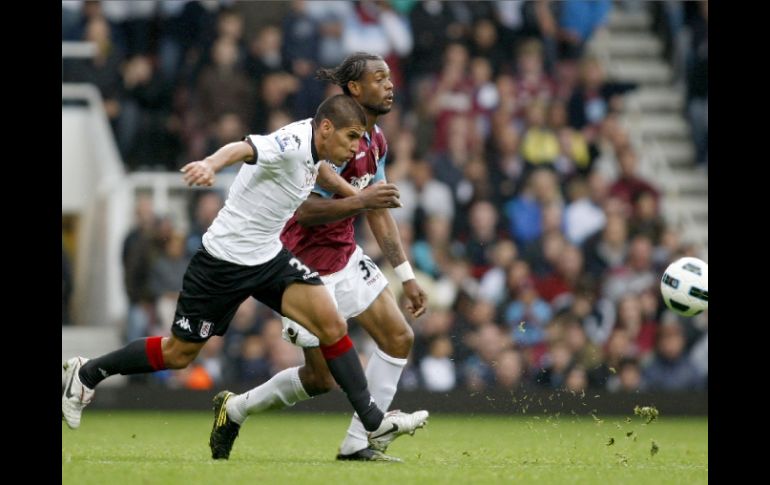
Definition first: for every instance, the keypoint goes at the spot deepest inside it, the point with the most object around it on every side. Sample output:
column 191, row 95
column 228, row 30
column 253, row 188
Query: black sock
column 138, row 357
column 346, row 369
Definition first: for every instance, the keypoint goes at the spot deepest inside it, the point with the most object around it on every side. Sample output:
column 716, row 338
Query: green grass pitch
column 161, row 447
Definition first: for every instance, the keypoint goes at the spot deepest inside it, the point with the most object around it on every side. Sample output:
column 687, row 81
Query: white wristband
column 404, row 272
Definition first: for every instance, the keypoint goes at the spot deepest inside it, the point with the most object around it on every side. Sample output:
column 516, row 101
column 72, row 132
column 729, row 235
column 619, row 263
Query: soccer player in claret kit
column 321, row 234
column 242, row 256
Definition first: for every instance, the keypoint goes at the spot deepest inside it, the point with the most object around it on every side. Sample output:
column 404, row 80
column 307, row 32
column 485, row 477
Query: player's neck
column 371, row 119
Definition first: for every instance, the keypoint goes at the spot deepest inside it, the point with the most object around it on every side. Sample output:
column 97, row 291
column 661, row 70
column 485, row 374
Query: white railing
column 98, row 298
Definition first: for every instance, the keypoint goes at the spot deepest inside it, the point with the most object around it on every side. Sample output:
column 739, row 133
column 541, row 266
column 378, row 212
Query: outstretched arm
column 386, row 232
column 319, row 210
column 202, row 172
column 333, row 182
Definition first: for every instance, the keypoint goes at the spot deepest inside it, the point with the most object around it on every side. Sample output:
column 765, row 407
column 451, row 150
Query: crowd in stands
column 539, row 244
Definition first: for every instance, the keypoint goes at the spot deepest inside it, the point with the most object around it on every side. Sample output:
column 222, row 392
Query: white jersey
column 264, row 196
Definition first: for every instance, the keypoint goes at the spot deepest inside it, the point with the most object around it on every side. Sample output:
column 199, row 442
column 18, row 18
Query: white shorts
column 353, row 288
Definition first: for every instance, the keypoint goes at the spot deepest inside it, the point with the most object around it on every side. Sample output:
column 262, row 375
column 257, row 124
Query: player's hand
column 198, row 173
column 380, row 196
column 416, row 296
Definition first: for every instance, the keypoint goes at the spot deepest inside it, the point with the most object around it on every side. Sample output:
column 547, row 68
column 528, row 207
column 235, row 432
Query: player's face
column 376, row 88
column 342, row 144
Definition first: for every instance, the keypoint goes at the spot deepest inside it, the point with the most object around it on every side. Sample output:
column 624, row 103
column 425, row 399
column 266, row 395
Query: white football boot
column 76, row 396
column 394, row 424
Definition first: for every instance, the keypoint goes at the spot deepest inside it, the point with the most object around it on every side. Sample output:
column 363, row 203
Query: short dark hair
column 341, row 110
column 351, row 69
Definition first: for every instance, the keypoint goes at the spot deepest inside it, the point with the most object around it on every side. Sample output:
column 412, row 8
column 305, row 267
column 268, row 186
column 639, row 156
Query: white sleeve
column 274, row 150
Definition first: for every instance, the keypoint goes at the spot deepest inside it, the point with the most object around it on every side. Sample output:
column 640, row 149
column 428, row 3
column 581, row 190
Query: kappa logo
column 205, row 328
column 183, row 323
column 307, row 276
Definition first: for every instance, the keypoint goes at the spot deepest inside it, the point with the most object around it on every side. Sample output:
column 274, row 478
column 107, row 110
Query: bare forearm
column 386, row 232
column 317, row 210
column 333, row 182
column 230, row 154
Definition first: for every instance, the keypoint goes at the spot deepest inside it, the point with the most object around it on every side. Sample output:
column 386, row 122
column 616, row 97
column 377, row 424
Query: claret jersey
column 327, row 247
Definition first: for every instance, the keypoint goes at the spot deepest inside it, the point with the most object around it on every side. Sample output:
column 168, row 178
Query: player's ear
column 354, row 87
column 327, row 128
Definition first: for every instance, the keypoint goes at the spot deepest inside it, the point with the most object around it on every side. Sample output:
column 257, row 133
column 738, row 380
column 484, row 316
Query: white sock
column 382, row 373
column 282, row 390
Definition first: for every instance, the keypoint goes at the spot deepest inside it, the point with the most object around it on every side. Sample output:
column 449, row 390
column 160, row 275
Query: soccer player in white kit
column 242, row 256
column 322, row 234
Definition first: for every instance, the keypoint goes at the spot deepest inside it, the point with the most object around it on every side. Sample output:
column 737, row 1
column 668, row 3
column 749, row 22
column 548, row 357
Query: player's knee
column 399, row 344
column 333, row 330
column 316, row 382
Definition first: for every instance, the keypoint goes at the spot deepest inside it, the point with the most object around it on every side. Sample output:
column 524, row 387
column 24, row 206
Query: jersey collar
column 313, row 151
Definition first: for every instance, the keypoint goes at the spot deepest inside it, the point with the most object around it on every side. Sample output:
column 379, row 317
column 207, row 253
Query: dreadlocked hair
column 351, row 69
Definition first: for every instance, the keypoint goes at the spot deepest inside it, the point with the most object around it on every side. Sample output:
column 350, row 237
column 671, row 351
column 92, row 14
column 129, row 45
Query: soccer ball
column 685, row 286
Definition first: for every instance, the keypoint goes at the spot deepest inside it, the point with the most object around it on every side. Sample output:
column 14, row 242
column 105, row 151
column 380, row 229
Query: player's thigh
column 312, row 307
column 357, row 285
column 212, row 291
column 386, row 324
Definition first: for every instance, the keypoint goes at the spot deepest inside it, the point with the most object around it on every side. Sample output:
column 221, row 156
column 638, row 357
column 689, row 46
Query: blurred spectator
column 642, row 332
column 186, row 28
column 607, row 249
column 103, row 70
column 423, row 196
column 206, row 208
column 594, row 98
column 578, row 20
column 646, row 219
column 330, row 17
column 524, row 212
column 166, row 281
column 628, row 379
column 630, row 185
column 131, row 22
column 539, row 144
column 618, row 347
column 586, row 354
column 636, row 275
column 557, row 363
column 437, row 369
column 670, row 369
column 533, row 84
column 483, row 224
column 301, row 37
column 488, row 342
column 139, row 254
column 492, row 286
column 509, row 369
column 527, row 316
column 434, row 24
column 597, row 316
column 699, row 356
column 583, row 216
column 383, row 31
column 577, row 379
column 146, row 133
column 223, row 86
